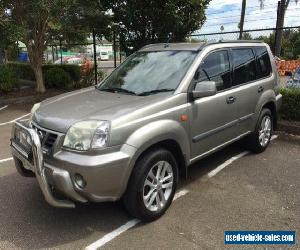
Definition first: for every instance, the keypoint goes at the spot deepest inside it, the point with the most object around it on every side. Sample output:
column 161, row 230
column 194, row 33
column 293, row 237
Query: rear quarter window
column 264, row 67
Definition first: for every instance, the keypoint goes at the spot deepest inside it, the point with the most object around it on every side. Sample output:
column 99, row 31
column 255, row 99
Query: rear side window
column 244, row 66
column 215, row 67
column 263, row 62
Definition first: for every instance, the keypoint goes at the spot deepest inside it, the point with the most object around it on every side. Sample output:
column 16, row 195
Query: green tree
column 39, row 22
column 280, row 23
column 149, row 21
column 290, row 43
column 246, row 36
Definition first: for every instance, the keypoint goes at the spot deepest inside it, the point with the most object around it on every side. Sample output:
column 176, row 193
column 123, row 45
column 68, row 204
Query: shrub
column 72, row 69
column 8, row 79
column 88, row 78
column 56, row 77
column 22, row 70
column 290, row 109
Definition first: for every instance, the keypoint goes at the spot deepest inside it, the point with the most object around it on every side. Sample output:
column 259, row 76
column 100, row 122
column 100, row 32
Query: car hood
column 60, row 112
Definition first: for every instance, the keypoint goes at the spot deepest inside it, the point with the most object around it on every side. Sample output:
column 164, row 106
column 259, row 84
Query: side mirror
column 204, row 89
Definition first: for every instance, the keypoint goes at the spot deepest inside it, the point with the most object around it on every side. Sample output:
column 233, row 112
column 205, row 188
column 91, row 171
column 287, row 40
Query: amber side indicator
column 183, row 118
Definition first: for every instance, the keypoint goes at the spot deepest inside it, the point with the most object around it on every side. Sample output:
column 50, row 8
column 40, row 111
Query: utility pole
column 242, row 19
column 282, row 7
column 276, row 28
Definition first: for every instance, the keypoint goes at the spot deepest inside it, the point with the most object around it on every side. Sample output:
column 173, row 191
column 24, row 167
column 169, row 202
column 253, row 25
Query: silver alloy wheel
column 265, row 131
column 158, row 186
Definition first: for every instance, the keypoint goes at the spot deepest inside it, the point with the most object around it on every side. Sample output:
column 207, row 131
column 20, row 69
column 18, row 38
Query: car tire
column 259, row 140
column 150, row 192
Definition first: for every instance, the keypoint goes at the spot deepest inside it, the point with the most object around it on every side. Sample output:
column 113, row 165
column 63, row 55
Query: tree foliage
column 39, row 22
column 290, row 44
column 283, row 5
column 151, row 21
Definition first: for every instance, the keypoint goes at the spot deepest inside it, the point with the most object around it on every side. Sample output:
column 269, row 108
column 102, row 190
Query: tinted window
column 263, row 61
column 244, row 66
column 215, row 67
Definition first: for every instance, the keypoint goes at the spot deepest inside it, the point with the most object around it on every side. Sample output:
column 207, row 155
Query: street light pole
column 114, row 46
column 95, row 57
column 60, row 45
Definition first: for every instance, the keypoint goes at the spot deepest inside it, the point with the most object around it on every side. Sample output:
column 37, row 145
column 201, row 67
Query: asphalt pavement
column 255, row 192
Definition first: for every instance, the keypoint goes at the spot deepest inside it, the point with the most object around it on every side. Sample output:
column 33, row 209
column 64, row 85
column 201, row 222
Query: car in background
column 104, row 56
column 294, row 81
column 71, row 60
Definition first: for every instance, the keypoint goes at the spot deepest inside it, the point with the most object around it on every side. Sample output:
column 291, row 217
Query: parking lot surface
column 254, row 192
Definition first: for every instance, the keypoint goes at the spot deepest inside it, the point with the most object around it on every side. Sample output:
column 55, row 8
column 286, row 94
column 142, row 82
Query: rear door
column 213, row 119
column 250, row 78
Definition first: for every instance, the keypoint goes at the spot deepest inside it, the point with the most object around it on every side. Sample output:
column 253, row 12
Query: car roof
column 193, row 46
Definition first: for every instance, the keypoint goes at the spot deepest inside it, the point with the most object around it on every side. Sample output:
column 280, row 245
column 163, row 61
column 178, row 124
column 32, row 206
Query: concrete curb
column 28, row 99
column 22, row 100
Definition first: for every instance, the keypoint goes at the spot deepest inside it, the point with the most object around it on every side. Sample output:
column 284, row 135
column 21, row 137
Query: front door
column 214, row 119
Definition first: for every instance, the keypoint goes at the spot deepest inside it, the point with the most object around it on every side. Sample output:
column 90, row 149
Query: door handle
column 260, row 89
column 230, row 99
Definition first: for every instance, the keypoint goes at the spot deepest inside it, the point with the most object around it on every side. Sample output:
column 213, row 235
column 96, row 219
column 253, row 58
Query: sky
column 227, row 13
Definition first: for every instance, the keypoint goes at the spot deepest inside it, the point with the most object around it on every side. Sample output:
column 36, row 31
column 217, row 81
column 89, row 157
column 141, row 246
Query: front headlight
column 87, row 134
column 34, row 108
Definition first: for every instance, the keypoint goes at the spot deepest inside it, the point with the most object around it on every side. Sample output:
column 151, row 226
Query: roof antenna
column 169, row 39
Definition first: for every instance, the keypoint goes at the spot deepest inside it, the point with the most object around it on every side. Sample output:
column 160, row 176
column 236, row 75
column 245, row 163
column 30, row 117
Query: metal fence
column 266, row 35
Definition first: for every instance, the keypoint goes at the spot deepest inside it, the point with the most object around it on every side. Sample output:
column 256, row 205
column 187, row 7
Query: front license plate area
column 22, row 143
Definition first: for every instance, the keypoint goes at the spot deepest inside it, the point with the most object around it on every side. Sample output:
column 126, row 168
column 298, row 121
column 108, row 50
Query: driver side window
column 215, row 67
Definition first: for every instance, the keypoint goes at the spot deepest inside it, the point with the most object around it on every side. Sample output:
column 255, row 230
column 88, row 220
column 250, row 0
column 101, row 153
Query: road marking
column 226, row 163
column 129, row 224
column 4, row 107
column 12, row 121
column 180, row 193
column 231, row 160
column 5, row 160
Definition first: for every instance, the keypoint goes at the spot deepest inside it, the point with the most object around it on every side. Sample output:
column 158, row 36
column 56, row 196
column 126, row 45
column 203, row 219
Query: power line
column 238, row 9
column 248, row 14
column 245, row 31
column 254, row 20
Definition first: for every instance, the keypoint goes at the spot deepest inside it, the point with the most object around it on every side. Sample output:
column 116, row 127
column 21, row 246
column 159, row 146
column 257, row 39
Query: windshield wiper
column 155, row 91
column 118, row 90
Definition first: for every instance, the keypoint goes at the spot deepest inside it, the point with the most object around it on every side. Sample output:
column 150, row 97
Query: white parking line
column 5, row 160
column 4, row 107
column 129, row 224
column 231, row 160
column 226, row 163
column 12, row 121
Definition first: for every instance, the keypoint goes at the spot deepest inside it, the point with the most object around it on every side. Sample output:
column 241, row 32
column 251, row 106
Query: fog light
column 80, row 182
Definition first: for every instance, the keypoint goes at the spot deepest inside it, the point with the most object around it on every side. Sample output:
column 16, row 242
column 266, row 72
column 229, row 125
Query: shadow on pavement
column 29, row 222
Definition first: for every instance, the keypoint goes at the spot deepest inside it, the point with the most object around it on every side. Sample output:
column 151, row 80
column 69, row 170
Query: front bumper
column 106, row 175
column 36, row 163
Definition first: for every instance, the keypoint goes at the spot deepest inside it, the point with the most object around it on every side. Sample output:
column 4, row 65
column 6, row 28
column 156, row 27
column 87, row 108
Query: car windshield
column 146, row 73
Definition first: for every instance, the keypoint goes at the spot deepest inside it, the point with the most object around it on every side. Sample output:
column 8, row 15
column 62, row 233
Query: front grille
column 47, row 138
